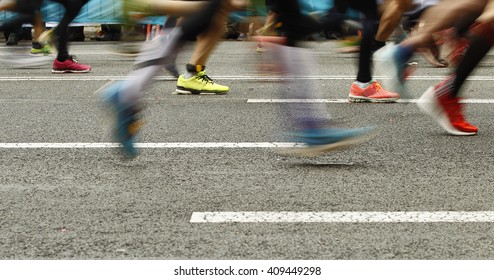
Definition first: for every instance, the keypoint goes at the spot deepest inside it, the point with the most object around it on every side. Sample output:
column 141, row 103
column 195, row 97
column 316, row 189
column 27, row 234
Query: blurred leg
column 391, row 16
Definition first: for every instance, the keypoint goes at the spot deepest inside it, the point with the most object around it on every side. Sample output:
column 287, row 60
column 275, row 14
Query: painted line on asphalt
column 233, row 78
column 344, row 217
column 150, row 145
column 467, row 101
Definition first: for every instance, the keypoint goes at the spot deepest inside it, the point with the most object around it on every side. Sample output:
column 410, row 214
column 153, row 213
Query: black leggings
column 336, row 16
column 72, row 9
column 296, row 25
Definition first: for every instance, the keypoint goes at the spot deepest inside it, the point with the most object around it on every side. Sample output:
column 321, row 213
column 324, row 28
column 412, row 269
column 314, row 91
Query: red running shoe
column 70, row 65
column 446, row 110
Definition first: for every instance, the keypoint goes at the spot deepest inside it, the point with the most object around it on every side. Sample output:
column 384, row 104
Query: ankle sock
column 192, row 70
column 37, row 45
column 362, row 84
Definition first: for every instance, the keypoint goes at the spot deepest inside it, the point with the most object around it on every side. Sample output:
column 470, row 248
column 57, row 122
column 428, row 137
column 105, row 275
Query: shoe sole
column 359, row 99
column 69, row 71
column 427, row 103
column 40, row 53
column 196, row 92
column 314, row 151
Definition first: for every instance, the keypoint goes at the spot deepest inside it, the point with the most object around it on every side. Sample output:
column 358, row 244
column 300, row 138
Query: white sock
column 362, row 85
column 189, row 75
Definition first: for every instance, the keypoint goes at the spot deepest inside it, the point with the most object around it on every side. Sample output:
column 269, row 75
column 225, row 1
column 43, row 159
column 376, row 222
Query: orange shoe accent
column 374, row 92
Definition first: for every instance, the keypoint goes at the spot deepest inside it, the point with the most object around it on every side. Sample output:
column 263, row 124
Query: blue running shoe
column 392, row 65
column 128, row 122
column 319, row 141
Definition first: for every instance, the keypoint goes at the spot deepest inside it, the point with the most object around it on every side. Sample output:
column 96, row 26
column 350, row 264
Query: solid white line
column 64, row 78
column 233, row 78
column 468, row 101
column 148, row 145
column 344, row 217
column 297, row 101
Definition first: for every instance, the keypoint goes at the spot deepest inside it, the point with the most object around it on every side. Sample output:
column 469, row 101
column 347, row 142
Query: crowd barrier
column 110, row 11
column 94, row 12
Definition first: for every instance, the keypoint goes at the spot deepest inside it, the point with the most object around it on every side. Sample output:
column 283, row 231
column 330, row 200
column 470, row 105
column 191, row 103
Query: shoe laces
column 205, row 79
column 377, row 86
column 73, row 58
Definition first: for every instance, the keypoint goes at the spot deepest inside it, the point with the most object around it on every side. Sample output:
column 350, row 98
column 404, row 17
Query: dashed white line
column 344, row 217
column 150, row 145
column 273, row 100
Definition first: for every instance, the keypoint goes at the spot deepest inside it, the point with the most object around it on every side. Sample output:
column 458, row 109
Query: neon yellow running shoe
column 44, row 50
column 199, row 84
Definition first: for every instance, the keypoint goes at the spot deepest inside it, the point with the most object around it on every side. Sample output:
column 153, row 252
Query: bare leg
column 443, row 16
column 207, row 41
column 391, row 16
column 38, row 26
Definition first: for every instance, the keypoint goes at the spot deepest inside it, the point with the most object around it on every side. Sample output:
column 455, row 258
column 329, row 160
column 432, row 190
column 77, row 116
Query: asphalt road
column 83, row 203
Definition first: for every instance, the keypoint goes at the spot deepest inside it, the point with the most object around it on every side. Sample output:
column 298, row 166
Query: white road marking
column 344, row 217
column 297, row 100
column 149, row 145
column 467, row 101
column 233, row 78
column 63, row 78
